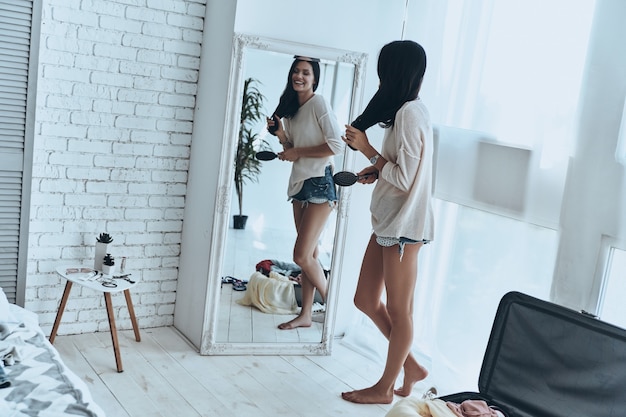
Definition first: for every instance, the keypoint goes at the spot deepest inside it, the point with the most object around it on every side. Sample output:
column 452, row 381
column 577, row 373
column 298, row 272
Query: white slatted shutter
column 17, row 92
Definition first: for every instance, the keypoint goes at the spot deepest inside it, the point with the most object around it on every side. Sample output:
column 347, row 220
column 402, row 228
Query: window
column 513, row 70
column 612, row 308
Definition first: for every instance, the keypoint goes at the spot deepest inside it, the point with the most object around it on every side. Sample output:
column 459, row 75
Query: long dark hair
column 288, row 104
column 401, row 68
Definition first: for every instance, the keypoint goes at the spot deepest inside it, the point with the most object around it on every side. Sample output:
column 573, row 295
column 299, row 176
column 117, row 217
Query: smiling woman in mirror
column 309, row 133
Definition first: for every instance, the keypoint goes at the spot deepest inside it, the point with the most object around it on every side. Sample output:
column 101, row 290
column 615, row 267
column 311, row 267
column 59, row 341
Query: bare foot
column 295, row 323
column 412, row 375
column 370, row 395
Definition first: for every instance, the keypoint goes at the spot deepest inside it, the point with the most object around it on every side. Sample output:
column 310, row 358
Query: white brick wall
column 115, row 101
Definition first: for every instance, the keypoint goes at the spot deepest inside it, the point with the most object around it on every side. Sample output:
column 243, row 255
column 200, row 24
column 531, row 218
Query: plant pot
column 239, row 221
column 108, row 269
column 101, row 251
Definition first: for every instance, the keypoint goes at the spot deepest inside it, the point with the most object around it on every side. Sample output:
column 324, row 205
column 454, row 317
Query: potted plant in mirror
column 247, row 167
column 102, row 244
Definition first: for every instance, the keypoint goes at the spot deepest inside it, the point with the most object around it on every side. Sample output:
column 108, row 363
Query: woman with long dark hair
column 307, row 129
column 401, row 211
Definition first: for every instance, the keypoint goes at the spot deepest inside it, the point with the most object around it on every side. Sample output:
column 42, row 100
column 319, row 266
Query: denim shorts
column 390, row 241
column 318, row 190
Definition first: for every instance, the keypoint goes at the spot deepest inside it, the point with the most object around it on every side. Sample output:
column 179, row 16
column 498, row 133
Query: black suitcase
column 545, row 360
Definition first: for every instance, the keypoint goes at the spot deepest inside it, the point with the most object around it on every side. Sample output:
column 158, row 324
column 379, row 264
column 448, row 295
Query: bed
column 34, row 378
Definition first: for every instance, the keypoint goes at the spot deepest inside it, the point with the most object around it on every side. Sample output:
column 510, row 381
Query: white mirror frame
column 241, row 44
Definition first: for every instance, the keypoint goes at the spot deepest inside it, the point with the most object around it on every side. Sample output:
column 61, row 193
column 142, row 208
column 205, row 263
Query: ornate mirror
column 268, row 235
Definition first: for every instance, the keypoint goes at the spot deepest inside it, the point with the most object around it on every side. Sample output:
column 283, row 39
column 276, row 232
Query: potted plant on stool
column 247, row 167
column 102, row 244
column 108, row 265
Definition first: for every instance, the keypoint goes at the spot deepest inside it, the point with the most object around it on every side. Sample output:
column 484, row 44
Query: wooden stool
column 95, row 280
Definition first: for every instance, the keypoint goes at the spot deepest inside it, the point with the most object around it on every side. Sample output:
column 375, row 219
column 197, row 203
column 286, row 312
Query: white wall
column 115, row 104
column 209, row 124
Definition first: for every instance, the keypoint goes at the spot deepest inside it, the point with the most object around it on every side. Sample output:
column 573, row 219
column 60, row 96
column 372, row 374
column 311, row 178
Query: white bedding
column 41, row 384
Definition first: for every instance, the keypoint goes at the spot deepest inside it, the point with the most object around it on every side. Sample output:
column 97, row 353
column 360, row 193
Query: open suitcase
column 545, row 360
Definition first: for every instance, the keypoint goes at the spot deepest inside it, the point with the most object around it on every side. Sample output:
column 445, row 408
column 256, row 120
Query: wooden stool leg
column 57, row 320
column 131, row 312
column 116, row 346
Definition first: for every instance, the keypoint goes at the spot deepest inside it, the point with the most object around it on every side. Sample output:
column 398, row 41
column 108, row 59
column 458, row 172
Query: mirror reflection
column 261, row 286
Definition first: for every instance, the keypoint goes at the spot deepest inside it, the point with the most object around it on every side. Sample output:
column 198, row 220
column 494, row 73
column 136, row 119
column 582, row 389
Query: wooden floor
column 165, row 376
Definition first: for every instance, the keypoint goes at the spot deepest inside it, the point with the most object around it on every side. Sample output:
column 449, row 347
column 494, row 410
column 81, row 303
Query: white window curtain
column 512, row 69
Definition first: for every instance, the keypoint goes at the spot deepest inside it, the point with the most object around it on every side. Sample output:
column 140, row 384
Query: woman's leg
column 368, row 300
column 369, row 290
column 382, row 266
column 310, row 221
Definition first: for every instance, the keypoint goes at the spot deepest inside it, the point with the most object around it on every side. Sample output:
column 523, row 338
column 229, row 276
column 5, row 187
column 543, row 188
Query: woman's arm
column 359, row 141
column 293, row 154
column 331, row 130
column 280, row 132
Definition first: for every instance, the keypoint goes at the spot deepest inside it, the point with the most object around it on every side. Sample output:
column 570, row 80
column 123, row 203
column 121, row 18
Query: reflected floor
column 243, row 324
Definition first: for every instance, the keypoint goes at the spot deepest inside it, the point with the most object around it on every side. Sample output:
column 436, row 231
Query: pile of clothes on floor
column 434, row 407
column 275, row 288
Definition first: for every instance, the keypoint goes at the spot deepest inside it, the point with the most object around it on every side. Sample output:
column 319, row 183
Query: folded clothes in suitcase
column 545, row 360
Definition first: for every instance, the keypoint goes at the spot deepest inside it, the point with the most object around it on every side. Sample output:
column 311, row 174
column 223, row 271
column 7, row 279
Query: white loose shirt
column 401, row 201
column 314, row 124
